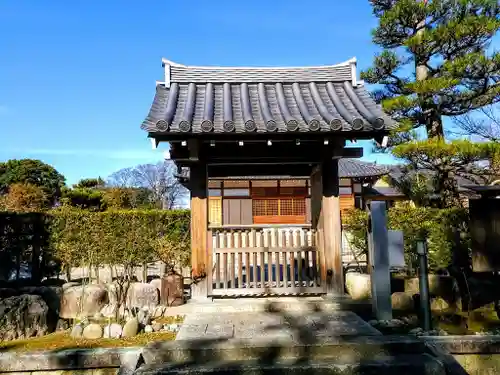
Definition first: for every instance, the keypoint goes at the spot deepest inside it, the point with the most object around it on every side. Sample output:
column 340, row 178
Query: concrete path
column 297, row 321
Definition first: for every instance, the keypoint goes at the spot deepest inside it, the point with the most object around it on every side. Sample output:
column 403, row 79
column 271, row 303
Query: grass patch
column 62, row 340
column 169, row 319
column 463, row 323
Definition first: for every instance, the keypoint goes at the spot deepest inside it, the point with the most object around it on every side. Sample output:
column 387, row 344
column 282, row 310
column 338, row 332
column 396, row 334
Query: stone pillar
column 198, row 185
column 379, row 261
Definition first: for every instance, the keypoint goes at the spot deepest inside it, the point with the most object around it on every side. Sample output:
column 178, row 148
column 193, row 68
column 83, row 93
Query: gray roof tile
column 201, row 99
column 356, row 168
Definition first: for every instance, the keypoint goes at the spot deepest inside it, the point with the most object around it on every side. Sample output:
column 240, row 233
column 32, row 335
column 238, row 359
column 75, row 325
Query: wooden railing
column 261, row 260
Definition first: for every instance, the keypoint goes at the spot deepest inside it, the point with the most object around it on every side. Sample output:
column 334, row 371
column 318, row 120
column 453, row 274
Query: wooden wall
column 224, row 210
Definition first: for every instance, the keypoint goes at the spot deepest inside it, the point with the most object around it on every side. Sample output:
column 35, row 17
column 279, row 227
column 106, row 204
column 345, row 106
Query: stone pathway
column 291, row 324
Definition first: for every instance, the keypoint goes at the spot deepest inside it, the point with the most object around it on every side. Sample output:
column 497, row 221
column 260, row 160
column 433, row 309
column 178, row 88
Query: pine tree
column 435, row 60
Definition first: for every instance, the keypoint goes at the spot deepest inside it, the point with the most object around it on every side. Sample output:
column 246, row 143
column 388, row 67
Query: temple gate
column 230, row 122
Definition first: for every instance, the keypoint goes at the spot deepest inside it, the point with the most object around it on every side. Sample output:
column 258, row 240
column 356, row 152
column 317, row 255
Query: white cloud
column 106, row 154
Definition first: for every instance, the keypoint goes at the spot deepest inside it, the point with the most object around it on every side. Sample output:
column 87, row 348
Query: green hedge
column 446, row 231
column 115, row 237
column 82, row 238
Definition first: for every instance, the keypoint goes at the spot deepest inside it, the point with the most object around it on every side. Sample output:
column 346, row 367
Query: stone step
column 276, row 348
column 404, row 364
column 291, row 304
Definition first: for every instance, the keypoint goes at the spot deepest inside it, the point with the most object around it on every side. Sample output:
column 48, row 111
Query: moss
column 62, row 340
column 169, row 319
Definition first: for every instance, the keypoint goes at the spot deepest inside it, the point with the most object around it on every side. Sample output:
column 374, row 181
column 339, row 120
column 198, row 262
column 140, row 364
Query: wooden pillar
column 198, row 182
column 325, row 215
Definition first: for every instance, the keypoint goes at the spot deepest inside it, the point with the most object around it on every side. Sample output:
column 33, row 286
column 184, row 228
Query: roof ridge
column 165, row 61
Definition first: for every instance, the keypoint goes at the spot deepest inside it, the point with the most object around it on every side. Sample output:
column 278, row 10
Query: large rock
column 439, row 304
column 25, row 316
column 62, row 325
column 131, row 328
column 83, row 300
column 156, row 283
column 358, row 285
column 77, row 331
column 70, row 284
column 93, row 331
column 109, row 311
column 439, row 286
column 50, row 294
column 117, row 291
column 142, row 294
column 402, row 301
column 113, row 331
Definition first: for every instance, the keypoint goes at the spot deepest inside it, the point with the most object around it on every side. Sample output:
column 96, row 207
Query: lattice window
column 279, row 207
column 215, row 211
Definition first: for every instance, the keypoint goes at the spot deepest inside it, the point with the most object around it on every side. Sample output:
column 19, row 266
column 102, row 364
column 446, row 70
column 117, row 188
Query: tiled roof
column 355, row 168
column 215, row 99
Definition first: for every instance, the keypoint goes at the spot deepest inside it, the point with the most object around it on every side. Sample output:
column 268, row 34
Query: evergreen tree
column 435, row 60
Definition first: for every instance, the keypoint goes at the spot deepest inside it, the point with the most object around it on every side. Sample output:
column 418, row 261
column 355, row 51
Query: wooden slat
column 267, row 291
column 308, row 267
column 263, row 249
column 247, row 269
column 299, row 266
column 232, row 270
column 285, row 269
column 240, row 247
column 254, row 269
column 224, row 264
column 217, row 269
column 277, row 268
column 315, row 268
column 210, row 262
column 270, row 276
column 240, row 270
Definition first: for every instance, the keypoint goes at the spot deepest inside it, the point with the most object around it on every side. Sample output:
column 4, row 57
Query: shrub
column 89, row 239
column 121, row 237
column 446, row 231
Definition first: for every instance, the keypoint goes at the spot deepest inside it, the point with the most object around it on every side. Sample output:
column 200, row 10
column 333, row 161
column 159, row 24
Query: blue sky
column 78, row 77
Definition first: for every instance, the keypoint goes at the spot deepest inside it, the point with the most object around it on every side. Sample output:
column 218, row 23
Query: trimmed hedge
column 446, row 231
column 82, row 238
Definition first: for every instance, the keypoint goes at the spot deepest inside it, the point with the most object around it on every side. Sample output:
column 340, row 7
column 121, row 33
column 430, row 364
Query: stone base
column 408, row 365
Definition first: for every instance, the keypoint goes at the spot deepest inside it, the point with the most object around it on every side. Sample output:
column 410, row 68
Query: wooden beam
column 317, row 222
column 198, row 184
column 261, row 153
column 291, row 170
column 332, row 227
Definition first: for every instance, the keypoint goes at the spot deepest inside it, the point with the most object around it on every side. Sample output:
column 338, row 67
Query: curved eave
column 326, row 107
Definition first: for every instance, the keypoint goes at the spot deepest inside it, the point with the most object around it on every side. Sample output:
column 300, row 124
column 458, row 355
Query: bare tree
column 480, row 125
column 159, row 179
column 122, row 178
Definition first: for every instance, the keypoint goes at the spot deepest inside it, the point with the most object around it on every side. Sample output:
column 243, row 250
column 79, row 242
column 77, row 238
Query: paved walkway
column 297, row 321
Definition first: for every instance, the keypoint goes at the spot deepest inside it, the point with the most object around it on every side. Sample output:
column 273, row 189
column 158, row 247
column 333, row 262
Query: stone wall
column 477, row 355
column 85, row 362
